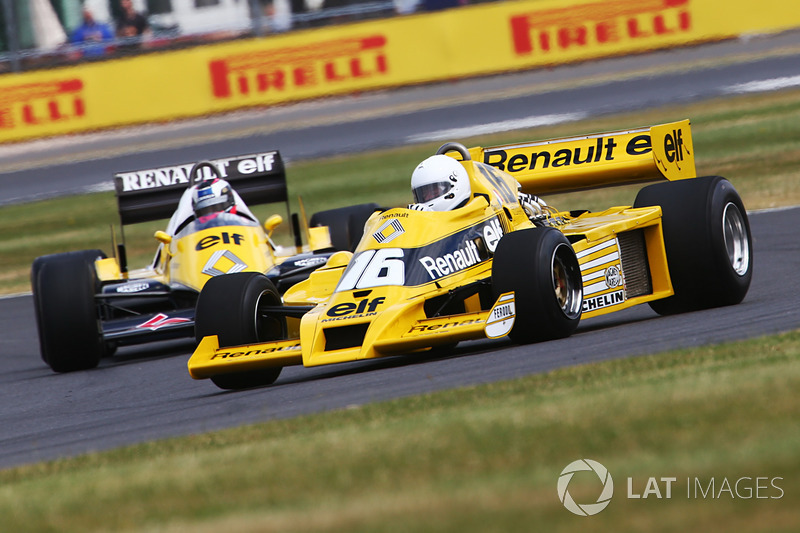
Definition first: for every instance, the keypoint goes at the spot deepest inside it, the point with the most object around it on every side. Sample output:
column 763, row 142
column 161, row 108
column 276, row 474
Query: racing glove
column 419, row 207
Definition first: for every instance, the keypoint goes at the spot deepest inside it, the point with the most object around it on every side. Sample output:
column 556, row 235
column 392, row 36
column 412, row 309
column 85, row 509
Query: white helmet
column 440, row 183
column 211, row 196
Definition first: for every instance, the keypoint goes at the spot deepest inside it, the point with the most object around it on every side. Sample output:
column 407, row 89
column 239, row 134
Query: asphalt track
column 145, row 393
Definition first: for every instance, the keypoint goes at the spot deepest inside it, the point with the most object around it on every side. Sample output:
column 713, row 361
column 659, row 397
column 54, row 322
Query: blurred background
column 76, row 66
column 42, row 33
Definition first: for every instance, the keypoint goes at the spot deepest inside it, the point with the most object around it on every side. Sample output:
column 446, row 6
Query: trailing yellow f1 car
column 87, row 304
column 422, row 279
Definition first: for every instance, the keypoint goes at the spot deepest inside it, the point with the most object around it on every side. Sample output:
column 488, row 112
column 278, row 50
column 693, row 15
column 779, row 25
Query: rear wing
column 153, row 194
column 599, row 160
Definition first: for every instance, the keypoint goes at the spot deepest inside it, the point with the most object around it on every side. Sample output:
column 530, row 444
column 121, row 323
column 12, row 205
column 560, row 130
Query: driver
column 211, row 197
column 440, row 183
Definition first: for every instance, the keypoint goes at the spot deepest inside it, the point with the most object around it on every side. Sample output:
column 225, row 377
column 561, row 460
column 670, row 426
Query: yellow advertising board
column 425, row 47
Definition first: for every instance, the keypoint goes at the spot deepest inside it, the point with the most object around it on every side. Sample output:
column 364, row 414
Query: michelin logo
column 604, row 300
column 310, row 261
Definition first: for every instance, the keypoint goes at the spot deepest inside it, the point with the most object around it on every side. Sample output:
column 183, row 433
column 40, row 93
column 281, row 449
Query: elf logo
column 673, row 146
column 351, row 308
column 224, row 238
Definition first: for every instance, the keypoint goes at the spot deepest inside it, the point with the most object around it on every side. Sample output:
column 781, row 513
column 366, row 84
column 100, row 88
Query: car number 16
column 374, row 268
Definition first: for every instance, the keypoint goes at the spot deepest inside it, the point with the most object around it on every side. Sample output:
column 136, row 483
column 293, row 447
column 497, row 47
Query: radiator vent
column 343, row 337
column 633, row 252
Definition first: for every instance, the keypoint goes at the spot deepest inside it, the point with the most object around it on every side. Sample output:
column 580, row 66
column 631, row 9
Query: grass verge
column 483, row 458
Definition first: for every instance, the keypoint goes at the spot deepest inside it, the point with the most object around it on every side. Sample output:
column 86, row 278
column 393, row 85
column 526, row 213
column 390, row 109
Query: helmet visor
column 431, row 191
column 212, row 203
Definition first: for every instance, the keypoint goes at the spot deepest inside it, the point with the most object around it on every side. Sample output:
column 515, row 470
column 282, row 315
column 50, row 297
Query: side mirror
column 319, row 238
column 162, row 237
column 271, row 223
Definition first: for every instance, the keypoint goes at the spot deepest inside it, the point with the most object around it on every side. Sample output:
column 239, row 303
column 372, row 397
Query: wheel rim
column 267, row 328
column 737, row 243
column 567, row 291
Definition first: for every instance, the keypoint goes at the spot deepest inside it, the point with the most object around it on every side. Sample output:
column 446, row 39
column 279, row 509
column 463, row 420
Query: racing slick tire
column 708, row 243
column 540, row 267
column 64, row 286
column 229, row 306
column 345, row 224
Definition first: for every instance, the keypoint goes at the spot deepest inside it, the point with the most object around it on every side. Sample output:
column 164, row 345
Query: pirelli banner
column 424, row 47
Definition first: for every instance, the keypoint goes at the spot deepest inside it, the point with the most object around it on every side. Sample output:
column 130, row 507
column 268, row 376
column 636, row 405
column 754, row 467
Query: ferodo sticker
column 501, row 317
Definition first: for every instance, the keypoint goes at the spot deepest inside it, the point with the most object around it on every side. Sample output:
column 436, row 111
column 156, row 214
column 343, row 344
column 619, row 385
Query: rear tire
column 229, row 307
column 540, row 266
column 345, row 224
column 707, row 240
column 70, row 333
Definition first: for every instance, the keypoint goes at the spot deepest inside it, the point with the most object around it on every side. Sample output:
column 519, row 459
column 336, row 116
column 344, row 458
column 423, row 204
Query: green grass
column 483, row 458
column 754, row 141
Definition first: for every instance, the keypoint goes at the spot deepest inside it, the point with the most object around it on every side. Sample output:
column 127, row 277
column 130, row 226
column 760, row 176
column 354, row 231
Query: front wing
column 209, row 359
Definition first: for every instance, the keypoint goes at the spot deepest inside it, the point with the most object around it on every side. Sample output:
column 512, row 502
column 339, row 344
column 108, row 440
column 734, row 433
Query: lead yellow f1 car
column 419, row 280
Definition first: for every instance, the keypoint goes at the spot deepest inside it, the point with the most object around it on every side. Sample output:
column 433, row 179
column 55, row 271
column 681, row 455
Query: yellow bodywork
column 193, row 259
column 368, row 304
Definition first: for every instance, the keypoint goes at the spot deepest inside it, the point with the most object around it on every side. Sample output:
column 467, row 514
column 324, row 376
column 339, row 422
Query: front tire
column 540, row 266
column 707, row 240
column 231, row 307
column 64, row 285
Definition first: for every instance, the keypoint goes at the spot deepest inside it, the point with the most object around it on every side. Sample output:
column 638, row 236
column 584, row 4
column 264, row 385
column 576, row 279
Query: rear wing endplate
column 599, row 160
column 153, row 194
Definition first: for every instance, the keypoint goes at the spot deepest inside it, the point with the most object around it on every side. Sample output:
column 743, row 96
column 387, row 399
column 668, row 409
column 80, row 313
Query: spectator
column 130, row 23
column 92, row 35
column 280, row 15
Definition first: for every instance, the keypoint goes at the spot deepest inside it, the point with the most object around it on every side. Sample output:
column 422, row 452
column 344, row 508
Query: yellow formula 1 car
column 87, row 304
column 422, row 279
